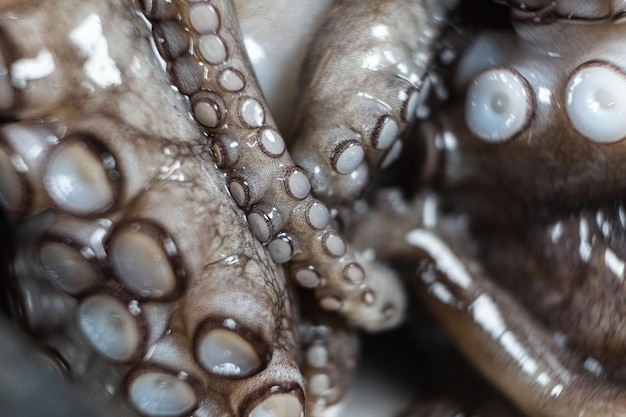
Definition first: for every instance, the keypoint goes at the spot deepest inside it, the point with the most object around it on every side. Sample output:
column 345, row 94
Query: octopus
column 175, row 251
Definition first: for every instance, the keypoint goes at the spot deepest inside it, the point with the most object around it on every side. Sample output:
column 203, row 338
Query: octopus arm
column 208, row 63
column 361, row 85
column 134, row 267
column 330, row 359
column 503, row 340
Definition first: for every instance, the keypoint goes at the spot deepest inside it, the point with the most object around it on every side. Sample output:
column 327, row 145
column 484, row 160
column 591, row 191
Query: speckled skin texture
column 172, row 258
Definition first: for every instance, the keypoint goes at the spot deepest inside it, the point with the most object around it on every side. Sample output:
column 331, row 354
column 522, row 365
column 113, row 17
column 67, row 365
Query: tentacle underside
column 331, row 352
column 155, row 293
column 207, row 63
column 363, row 80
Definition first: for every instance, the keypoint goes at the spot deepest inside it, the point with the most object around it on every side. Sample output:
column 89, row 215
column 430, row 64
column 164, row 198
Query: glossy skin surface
column 162, row 216
column 523, row 239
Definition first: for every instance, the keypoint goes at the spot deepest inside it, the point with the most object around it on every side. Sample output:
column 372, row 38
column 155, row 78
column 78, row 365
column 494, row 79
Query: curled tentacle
column 507, row 344
column 499, row 335
column 361, row 87
column 208, row 64
column 168, row 308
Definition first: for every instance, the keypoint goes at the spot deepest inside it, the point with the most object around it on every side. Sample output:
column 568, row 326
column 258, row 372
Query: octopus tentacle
column 331, row 351
column 211, row 68
column 361, row 89
column 507, row 344
column 498, row 334
column 169, row 308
